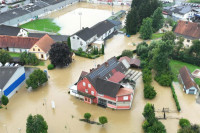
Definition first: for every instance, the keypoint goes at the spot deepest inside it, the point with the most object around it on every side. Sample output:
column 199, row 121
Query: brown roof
column 117, row 77
column 124, row 91
column 135, row 62
column 188, row 29
column 45, row 43
column 17, row 42
column 126, row 58
column 187, row 78
column 83, row 74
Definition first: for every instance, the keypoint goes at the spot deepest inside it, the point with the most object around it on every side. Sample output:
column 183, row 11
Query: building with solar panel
column 103, row 86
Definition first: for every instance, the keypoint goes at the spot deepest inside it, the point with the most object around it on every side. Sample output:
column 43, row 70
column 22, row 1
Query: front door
column 102, row 102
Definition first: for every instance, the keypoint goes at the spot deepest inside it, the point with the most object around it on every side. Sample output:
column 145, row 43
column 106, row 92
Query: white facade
column 185, row 17
column 23, row 33
column 18, row 73
column 17, row 50
column 106, row 34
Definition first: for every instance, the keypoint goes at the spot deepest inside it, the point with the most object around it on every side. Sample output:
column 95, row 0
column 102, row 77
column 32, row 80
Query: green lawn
column 14, row 54
column 194, row 1
column 157, row 35
column 177, row 65
column 41, row 63
column 42, row 25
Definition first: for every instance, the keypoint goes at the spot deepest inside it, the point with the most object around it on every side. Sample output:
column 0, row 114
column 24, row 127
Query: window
column 38, row 49
column 73, row 37
column 42, row 56
column 125, row 98
column 81, row 43
column 92, row 92
column 83, row 83
column 89, row 85
column 111, row 103
column 86, row 90
column 33, row 49
column 78, row 38
column 188, row 40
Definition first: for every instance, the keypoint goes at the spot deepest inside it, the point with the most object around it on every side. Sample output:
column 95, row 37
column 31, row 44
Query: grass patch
column 157, row 35
column 42, row 25
column 194, row 1
column 14, row 54
column 41, row 63
column 177, row 65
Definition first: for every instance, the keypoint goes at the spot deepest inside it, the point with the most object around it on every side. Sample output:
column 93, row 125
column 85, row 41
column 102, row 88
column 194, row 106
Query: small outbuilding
column 186, row 78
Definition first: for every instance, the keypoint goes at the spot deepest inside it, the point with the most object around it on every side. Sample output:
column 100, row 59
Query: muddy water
column 68, row 111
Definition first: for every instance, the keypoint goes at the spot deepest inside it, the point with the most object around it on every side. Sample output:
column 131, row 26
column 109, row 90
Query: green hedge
column 83, row 54
column 50, row 67
column 175, row 98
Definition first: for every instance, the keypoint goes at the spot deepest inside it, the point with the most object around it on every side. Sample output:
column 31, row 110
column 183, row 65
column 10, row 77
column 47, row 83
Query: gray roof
column 85, row 34
column 56, row 38
column 5, row 74
column 52, row 2
column 107, row 88
column 116, row 23
column 9, row 30
column 102, row 27
column 179, row 9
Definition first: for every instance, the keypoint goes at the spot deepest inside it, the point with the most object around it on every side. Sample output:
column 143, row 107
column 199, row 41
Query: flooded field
column 68, row 111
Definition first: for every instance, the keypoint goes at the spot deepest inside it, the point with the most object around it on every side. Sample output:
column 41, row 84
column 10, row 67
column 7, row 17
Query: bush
column 184, row 123
column 87, row 116
column 175, row 98
column 149, row 91
column 29, row 58
column 128, row 53
column 50, row 67
column 164, row 79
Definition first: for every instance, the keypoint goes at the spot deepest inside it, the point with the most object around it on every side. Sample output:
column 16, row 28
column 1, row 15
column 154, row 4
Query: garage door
column 191, row 91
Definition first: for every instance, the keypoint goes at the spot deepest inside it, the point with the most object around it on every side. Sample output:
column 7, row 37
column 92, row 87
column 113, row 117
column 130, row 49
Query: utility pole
column 80, row 13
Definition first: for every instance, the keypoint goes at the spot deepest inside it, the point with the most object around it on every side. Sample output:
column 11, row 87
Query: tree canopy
column 87, row 116
column 103, row 120
column 157, row 19
column 146, row 29
column 60, row 55
column 4, row 56
column 36, row 78
column 29, row 58
column 4, row 100
column 169, row 36
column 128, row 53
column 36, row 124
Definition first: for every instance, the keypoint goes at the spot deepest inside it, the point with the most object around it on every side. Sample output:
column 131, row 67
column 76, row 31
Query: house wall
column 121, row 98
column 192, row 88
column 184, row 17
column 88, row 86
column 23, row 33
column 76, row 43
column 187, row 42
column 17, row 50
column 106, row 34
column 15, row 82
column 39, row 52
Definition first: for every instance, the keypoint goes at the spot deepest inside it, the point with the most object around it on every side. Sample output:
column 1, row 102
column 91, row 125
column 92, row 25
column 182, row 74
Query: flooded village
column 64, row 118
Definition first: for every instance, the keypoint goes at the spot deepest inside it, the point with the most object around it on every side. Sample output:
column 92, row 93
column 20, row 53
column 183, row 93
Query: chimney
column 106, row 64
column 98, row 65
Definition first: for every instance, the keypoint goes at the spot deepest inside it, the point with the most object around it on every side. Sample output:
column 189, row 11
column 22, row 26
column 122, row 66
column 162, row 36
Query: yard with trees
column 36, row 79
column 60, row 55
column 4, row 56
column 36, row 124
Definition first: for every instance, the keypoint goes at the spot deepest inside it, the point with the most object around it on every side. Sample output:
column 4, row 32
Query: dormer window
column 38, row 49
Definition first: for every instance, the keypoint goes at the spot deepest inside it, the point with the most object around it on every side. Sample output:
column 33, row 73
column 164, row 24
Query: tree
column 146, row 30
column 103, row 120
column 29, row 58
column 179, row 45
column 36, row 78
column 4, row 56
column 132, row 22
column 157, row 19
column 190, row 129
column 142, row 50
column 60, row 55
column 87, row 116
column 169, row 36
column 149, row 113
column 157, row 127
column 184, row 123
column 194, row 50
column 102, row 49
column 69, row 43
column 4, row 100
column 128, row 53
column 149, row 92
column 36, row 124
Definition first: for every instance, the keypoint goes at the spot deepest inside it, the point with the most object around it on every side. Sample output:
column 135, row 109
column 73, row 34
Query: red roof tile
column 188, row 29
column 124, row 91
column 17, row 42
column 117, row 77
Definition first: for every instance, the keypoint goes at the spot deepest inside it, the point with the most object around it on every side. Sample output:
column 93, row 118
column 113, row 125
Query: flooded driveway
column 68, row 111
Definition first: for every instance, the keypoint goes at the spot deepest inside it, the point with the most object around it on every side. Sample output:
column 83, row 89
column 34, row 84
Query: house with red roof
column 187, row 80
column 130, row 61
column 189, row 30
column 103, row 86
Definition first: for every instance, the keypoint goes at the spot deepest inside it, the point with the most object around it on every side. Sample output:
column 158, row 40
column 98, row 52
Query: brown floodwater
column 65, row 117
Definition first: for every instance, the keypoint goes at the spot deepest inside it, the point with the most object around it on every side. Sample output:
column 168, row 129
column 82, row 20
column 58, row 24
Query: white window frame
column 125, row 97
column 92, row 92
column 84, row 83
column 86, row 90
column 89, row 85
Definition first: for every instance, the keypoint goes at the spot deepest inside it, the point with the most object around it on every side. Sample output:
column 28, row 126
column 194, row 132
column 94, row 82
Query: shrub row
column 83, row 54
column 175, row 98
column 164, row 79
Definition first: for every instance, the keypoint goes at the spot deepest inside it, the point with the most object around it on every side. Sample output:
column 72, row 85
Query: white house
column 186, row 78
column 11, row 79
column 85, row 37
column 13, row 31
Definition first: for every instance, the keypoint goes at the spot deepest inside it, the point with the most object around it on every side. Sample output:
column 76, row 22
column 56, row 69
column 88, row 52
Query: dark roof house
column 9, row 30
column 85, row 33
column 56, row 38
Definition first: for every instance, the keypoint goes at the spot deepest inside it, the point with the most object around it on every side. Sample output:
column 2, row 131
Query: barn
column 11, row 79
